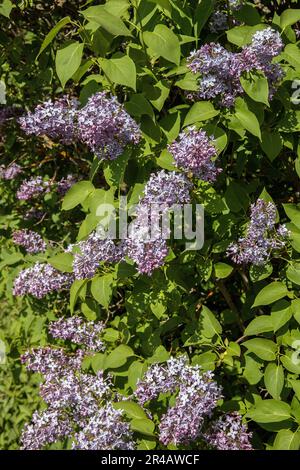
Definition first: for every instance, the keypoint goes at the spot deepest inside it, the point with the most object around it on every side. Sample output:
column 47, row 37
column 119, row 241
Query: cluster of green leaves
column 243, row 323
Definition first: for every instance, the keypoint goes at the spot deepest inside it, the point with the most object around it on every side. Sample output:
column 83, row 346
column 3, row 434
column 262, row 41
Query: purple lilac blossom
column 46, row 427
column 89, row 253
column 196, row 399
column 55, row 119
column 30, row 240
column 228, row 433
column 79, row 404
column 33, row 188
column 261, row 238
column 77, row 331
column 105, row 430
column 41, row 279
column 221, row 69
column 105, row 126
column 193, row 152
column 167, row 189
column 65, row 184
column 10, row 172
column 146, row 243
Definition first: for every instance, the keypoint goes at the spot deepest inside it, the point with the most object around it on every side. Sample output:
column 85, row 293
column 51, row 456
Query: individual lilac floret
column 45, row 428
column 105, row 126
column 10, row 172
column 193, row 153
column 261, row 238
column 106, row 430
column 228, row 433
column 167, row 188
column 30, row 240
column 33, row 188
column 197, row 396
column 65, row 184
column 55, row 119
column 89, row 253
column 79, row 332
column 41, row 279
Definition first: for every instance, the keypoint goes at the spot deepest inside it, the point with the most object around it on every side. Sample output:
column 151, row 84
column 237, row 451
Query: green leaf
column 256, row 86
column 263, row 348
column 269, row 294
column 131, row 409
column 281, row 313
column 111, row 23
column 144, row 426
column 271, row 144
column 6, row 8
column 120, row 70
column 287, row 440
column 114, row 169
column 274, row 380
column 62, row 262
column 293, row 212
column 258, row 273
column 118, row 357
column 166, row 160
column 164, row 43
column 68, row 60
column 222, row 270
column 75, row 291
column 252, row 372
column 259, row 325
column 138, row 105
column 200, row 111
column 293, row 272
column 210, row 326
column 246, row 118
column 146, row 444
column 270, row 411
column 77, row 194
column 101, row 289
column 289, row 17
column 53, row 32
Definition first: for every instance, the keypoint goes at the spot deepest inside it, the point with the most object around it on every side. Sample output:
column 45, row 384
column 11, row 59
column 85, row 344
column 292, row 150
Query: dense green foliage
column 243, row 322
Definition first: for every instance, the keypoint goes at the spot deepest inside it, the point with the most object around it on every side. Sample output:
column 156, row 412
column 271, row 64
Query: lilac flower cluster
column 30, row 240
column 64, row 184
column 79, row 405
column 32, row 188
column 145, row 245
column 102, row 124
column 228, row 433
column 221, row 69
column 219, row 19
column 10, row 172
column 105, row 430
column 53, row 119
column 89, row 253
column 105, row 126
column 79, row 332
column 197, row 396
column 37, row 186
column 193, row 153
column 262, row 236
column 40, row 279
